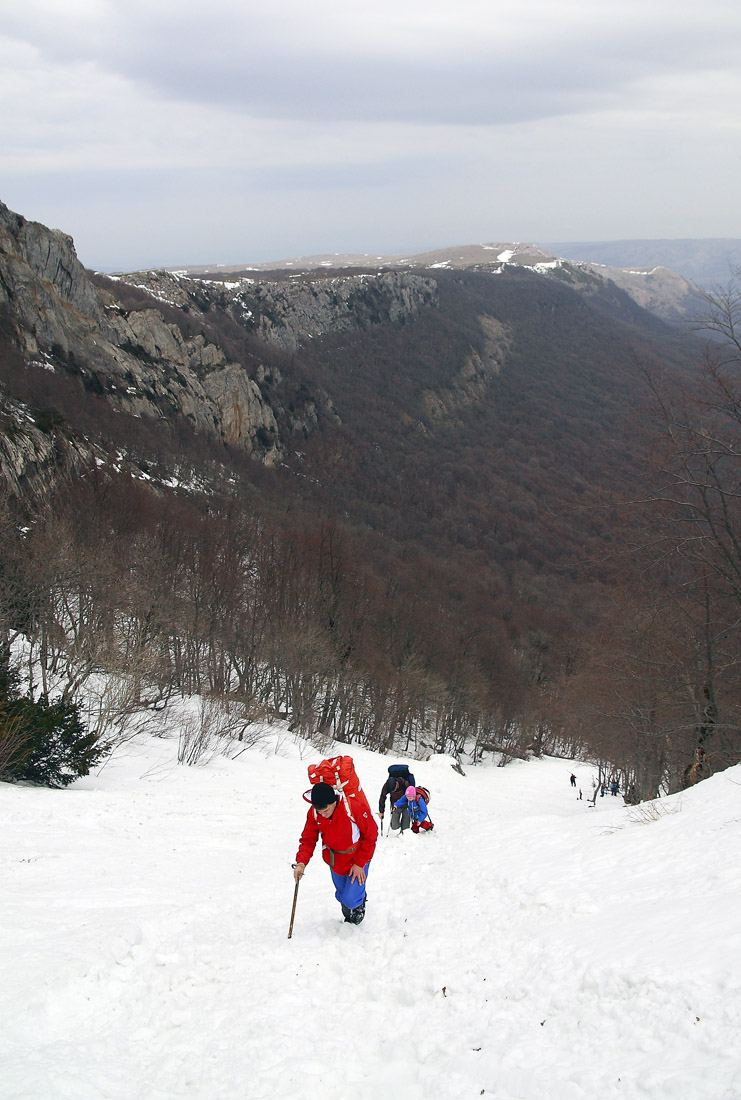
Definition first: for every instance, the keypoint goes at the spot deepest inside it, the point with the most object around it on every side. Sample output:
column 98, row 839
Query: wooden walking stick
column 293, row 910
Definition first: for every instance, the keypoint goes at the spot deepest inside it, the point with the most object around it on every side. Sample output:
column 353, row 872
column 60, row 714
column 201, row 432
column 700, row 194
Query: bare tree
column 695, row 516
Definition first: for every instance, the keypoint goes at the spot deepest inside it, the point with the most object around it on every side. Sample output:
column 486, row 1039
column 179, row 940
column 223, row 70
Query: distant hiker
column 414, row 802
column 614, row 788
column 347, row 846
column 399, row 779
column 573, row 780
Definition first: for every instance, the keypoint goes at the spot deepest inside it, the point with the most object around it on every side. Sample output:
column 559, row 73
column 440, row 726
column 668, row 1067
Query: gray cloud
column 330, row 126
column 496, row 70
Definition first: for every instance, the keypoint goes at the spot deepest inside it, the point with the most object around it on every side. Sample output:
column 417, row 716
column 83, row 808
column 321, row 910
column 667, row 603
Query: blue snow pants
column 351, row 894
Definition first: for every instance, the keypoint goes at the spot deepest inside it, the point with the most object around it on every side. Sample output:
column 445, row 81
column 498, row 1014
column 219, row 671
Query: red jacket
column 344, row 842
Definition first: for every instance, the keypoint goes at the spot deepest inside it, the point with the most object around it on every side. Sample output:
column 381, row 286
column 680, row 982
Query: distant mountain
column 705, row 261
column 491, row 255
column 263, row 364
column 661, row 291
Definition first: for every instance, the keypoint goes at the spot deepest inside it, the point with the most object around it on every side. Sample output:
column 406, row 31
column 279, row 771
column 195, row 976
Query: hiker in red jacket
column 347, row 846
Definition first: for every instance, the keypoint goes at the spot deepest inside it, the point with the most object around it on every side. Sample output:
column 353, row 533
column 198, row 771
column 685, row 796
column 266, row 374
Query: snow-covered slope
column 532, row 947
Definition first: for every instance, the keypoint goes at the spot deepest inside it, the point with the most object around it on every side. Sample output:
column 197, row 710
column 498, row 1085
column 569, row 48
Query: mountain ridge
column 226, row 354
column 658, row 289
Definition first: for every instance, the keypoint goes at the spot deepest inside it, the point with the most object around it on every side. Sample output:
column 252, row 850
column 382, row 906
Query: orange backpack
column 339, row 772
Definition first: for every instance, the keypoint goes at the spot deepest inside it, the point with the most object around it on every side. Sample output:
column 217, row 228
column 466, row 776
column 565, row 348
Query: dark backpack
column 401, row 771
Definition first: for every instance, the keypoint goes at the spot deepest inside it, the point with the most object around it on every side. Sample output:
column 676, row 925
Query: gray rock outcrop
column 31, row 459
column 472, row 381
column 287, row 314
column 171, row 351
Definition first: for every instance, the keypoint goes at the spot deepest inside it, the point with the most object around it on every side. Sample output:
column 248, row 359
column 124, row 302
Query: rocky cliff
column 286, row 314
column 162, row 344
column 261, row 364
column 30, row 457
column 658, row 289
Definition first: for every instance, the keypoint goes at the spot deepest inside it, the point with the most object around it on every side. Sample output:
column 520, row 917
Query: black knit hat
column 322, row 795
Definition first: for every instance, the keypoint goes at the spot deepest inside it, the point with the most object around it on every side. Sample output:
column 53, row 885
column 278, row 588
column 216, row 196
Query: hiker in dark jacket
column 393, row 789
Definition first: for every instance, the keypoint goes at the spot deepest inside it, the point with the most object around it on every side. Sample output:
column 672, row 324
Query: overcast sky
column 159, row 133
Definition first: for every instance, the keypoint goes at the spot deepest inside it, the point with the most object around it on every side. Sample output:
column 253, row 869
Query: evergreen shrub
column 41, row 741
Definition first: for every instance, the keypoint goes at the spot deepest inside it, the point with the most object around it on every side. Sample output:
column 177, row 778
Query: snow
column 532, row 947
column 44, row 364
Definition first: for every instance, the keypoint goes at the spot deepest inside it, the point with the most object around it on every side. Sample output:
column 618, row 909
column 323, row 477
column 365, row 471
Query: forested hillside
column 448, row 510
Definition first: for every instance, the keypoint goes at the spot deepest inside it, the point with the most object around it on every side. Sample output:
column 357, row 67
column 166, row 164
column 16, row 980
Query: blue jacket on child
column 417, row 808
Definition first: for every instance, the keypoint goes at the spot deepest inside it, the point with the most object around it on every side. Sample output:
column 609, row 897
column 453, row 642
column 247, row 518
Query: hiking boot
column 356, row 915
column 347, row 913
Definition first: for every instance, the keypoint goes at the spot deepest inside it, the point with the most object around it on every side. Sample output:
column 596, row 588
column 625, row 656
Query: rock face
column 45, row 286
column 657, row 289
column 241, row 410
column 31, row 458
column 290, row 313
column 472, row 380
column 286, row 314
column 187, row 346
column 225, row 352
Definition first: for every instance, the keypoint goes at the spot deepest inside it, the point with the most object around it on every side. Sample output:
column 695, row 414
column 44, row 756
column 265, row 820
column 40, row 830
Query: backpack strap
column 340, row 788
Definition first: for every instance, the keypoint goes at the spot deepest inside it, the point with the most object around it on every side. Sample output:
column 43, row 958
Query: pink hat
column 411, row 792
